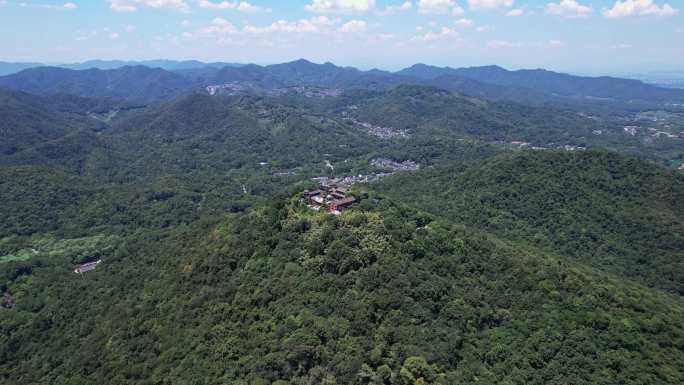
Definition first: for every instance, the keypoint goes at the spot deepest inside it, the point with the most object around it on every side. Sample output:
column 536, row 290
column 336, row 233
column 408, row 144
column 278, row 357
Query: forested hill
column 29, row 120
column 490, row 265
column 551, row 83
column 431, row 109
column 381, row 295
column 137, row 83
column 613, row 212
column 163, row 80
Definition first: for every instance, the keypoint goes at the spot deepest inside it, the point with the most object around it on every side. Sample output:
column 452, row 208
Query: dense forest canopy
column 383, row 294
column 608, row 210
column 537, row 239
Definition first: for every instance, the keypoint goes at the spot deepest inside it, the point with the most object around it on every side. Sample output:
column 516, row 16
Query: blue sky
column 581, row 36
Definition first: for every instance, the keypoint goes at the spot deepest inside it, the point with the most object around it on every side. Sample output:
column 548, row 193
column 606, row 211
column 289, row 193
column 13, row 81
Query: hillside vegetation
column 490, row 265
column 613, row 212
column 381, row 295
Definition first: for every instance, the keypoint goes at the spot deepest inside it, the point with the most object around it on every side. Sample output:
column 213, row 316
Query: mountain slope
column 28, row 120
column 429, row 109
column 62, row 131
column 7, row 68
column 382, row 294
column 303, row 72
column 553, row 83
column 169, row 65
column 613, row 212
column 131, row 83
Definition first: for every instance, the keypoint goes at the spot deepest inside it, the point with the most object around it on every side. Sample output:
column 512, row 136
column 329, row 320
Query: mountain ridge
column 492, row 82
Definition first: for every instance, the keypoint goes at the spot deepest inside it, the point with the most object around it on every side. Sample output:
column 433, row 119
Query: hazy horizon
column 575, row 36
column 663, row 72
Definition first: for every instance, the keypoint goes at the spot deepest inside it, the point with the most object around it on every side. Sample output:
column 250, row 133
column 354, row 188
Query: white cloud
column 628, row 8
column 250, row 8
column 621, row 46
column 316, row 24
column 515, row 12
column 113, row 35
column 392, row 9
column 130, row 28
column 490, row 4
column 133, row 5
column 186, row 23
column 381, row 37
column 439, row 7
column 484, row 28
column 221, row 5
column 220, row 29
column 556, row 44
column 497, row 44
column 568, row 8
column 3, row 2
column 340, row 6
column 442, row 34
column 457, row 11
column 464, row 23
column 242, row 6
column 65, row 6
column 354, row 26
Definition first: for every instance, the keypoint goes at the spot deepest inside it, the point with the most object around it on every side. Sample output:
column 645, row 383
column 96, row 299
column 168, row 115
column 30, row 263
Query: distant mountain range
column 553, row 83
column 164, row 79
column 8, row 68
column 169, row 65
column 132, row 83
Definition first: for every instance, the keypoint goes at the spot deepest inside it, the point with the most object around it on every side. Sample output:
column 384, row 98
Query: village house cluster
column 237, row 88
column 331, row 197
column 388, row 164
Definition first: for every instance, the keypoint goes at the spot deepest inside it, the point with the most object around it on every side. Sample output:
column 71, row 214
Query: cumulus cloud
column 220, row 5
column 498, row 44
column 316, row 24
column 242, row 6
column 354, row 26
column 515, row 12
column 556, row 44
column 134, row 5
column 568, row 8
column 219, row 28
column 250, row 8
column 65, row 6
column 627, row 8
column 464, row 23
column 392, row 9
column 490, row 4
column 439, row 7
column 443, row 34
column 340, row 6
